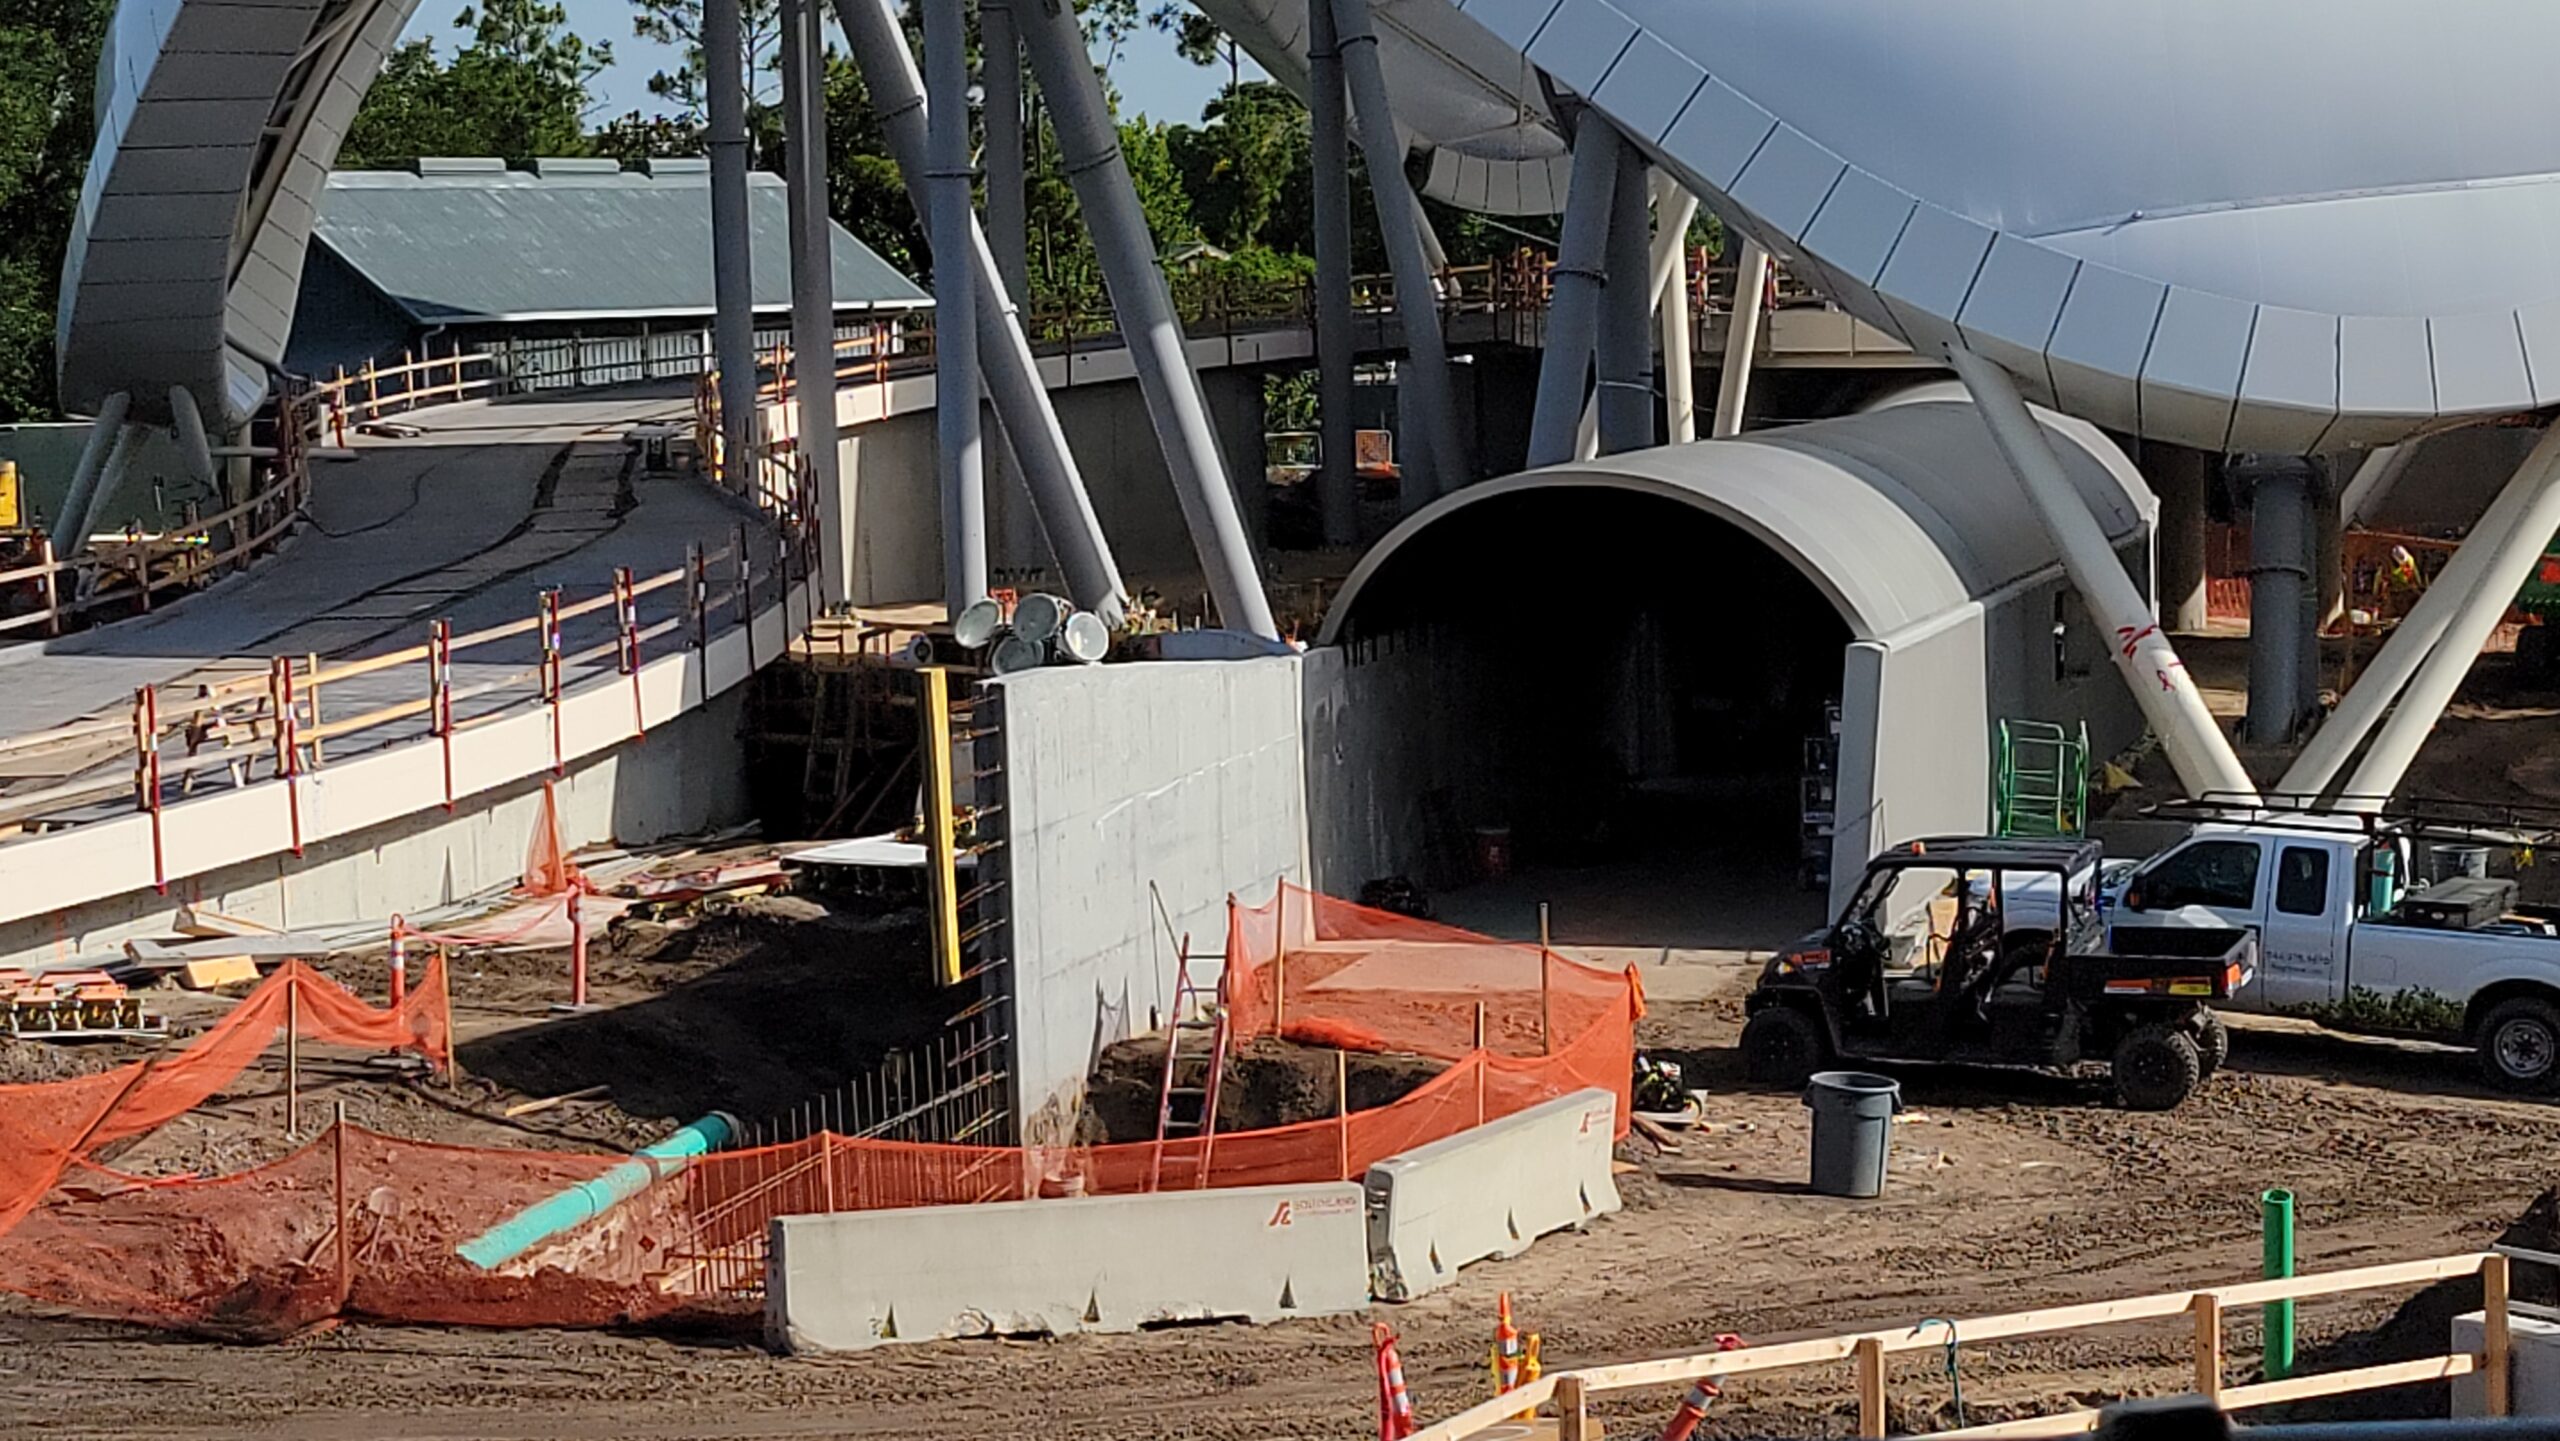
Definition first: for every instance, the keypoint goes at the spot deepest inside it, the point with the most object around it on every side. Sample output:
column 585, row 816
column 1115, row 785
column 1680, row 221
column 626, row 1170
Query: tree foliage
column 48, row 69
column 520, row 89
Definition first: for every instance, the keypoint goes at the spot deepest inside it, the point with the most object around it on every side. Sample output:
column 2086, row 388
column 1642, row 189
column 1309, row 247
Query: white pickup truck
column 2345, row 941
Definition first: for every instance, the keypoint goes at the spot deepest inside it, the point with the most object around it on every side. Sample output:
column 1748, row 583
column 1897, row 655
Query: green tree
column 48, row 77
column 519, row 90
column 679, row 23
column 1237, row 167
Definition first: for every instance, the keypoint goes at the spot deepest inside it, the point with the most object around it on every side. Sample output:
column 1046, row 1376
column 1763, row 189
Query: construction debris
column 73, row 1005
column 205, row 975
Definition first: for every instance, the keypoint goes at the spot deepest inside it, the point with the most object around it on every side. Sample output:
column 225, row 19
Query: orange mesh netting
column 260, row 1253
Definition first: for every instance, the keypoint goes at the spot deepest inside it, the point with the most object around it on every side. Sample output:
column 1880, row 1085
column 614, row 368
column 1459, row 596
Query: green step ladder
column 2040, row 780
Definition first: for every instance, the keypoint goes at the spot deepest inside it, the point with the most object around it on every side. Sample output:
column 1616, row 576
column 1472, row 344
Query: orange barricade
column 358, row 1223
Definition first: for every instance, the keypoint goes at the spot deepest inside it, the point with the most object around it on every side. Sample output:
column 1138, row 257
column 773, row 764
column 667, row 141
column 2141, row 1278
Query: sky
column 1152, row 79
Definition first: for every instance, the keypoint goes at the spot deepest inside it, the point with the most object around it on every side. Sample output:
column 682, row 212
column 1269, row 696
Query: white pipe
column 104, row 432
column 812, row 270
column 1089, row 153
column 194, row 448
column 1000, row 71
column 2374, row 480
column 1573, row 312
column 732, row 274
column 1673, row 210
column 959, row 451
column 1741, row 339
column 2196, row 747
column 2411, row 642
column 2519, row 548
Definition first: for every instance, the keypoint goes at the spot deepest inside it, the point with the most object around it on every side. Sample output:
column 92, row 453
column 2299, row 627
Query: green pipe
column 2277, row 1207
column 568, row 1210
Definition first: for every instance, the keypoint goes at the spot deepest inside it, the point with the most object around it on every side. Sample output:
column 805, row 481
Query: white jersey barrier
column 854, row 1280
column 1489, row 1192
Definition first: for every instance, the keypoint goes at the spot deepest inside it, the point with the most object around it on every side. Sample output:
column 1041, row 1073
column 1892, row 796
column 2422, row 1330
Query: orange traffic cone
column 1693, row 1407
column 1395, row 1404
column 1506, row 1347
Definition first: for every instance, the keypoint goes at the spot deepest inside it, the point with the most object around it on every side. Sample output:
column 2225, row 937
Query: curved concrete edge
column 50, row 873
column 1489, row 1192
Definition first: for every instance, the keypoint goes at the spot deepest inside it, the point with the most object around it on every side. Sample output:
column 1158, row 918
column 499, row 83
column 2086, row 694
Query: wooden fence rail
column 1571, row 1391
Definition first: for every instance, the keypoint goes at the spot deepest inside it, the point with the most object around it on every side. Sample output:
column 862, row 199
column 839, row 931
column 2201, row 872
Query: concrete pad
column 2533, row 1365
column 1489, row 1192
column 856, row 1280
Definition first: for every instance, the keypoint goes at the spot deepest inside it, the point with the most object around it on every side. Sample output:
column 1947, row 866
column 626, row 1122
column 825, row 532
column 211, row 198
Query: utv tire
column 2213, row 1044
column 2519, row 1041
column 2155, row 1068
column 1783, row 1047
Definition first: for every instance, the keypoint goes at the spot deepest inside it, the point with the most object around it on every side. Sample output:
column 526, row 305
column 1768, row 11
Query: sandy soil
column 2008, row 1191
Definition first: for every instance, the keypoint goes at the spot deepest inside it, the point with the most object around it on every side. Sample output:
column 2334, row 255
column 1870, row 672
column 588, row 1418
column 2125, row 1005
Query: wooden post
column 338, row 1198
column 2496, row 1343
column 1546, row 1016
column 312, row 660
column 1573, row 1418
column 2208, row 1312
column 1342, row 1108
column 292, row 1053
column 49, row 585
column 1869, row 1355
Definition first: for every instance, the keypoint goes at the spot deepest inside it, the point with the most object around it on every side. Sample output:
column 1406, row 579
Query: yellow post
column 941, row 841
column 8, row 495
column 2496, row 1344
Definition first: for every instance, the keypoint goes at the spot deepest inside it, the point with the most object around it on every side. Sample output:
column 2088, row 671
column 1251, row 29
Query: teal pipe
column 2277, row 1323
column 560, row 1214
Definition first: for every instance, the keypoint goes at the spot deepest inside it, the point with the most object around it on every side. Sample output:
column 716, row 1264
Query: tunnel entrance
column 1643, row 695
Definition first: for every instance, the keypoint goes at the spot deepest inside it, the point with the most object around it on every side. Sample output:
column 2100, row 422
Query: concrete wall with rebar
column 1125, row 784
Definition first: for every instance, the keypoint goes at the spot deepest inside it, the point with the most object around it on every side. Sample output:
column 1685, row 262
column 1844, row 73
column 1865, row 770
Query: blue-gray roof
column 467, row 240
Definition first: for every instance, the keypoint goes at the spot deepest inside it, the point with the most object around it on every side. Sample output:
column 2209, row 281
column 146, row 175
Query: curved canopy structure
column 217, row 123
column 1887, row 512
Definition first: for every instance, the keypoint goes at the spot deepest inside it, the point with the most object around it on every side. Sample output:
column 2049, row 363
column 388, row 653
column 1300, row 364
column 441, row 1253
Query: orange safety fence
column 46, row 1127
column 361, row 1224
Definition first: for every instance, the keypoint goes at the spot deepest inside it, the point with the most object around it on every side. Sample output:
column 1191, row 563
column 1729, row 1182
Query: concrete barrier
column 1488, row 1192
column 855, row 1280
column 2533, row 1365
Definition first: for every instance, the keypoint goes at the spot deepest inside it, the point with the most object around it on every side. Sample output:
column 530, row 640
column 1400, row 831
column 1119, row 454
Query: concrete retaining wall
column 2533, row 1374
column 852, row 1281
column 1120, row 783
column 1488, row 1192
column 686, row 776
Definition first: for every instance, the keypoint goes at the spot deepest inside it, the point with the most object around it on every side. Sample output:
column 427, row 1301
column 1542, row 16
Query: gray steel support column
column 194, row 447
column 2196, row 747
column 1337, row 479
column 2514, row 549
column 1008, row 215
column 1741, row 340
column 2375, row 479
column 733, row 344
column 1623, row 358
column 2279, row 539
column 813, row 280
column 2177, row 475
column 1674, row 209
column 1089, row 148
column 1573, row 311
column 1012, row 379
column 105, row 433
column 110, row 480
column 1401, row 226
column 960, row 460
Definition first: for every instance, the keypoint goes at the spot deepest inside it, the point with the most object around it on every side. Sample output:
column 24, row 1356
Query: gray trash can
column 1852, row 1130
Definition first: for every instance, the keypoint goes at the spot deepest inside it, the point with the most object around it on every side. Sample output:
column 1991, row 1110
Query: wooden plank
column 2330, row 1283
column 2335, row 1383
column 1870, row 1358
column 2497, row 1343
column 1500, row 1409
column 2060, row 1423
column 2052, row 1318
column 2208, row 1345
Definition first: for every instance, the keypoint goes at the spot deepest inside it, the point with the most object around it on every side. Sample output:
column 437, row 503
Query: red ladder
column 1187, row 1096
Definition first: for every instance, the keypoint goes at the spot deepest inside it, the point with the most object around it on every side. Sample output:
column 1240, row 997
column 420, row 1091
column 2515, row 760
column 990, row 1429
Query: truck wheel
column 2155, row 1068
column 2213, row 1043
column 2519, row 1044
column 1782, row 1046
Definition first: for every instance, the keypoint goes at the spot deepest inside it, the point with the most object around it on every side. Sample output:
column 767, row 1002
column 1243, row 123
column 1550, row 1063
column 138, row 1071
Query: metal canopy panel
column 578, row 244
column 1888, row 513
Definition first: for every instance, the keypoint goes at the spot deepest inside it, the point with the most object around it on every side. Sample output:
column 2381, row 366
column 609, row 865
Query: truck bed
column 2186, row 963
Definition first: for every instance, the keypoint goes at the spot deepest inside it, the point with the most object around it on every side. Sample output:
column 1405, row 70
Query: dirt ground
column 1269, row 1083
column 2007, row 1191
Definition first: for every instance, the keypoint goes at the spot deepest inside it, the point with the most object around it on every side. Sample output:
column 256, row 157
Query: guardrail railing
column 1570, row 1391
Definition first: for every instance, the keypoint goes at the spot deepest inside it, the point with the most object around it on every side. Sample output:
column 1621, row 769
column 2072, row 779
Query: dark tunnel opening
column 1641, row 693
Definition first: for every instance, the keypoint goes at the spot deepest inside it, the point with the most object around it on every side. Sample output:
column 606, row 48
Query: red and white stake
column 577, row 950
column 399, row 960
